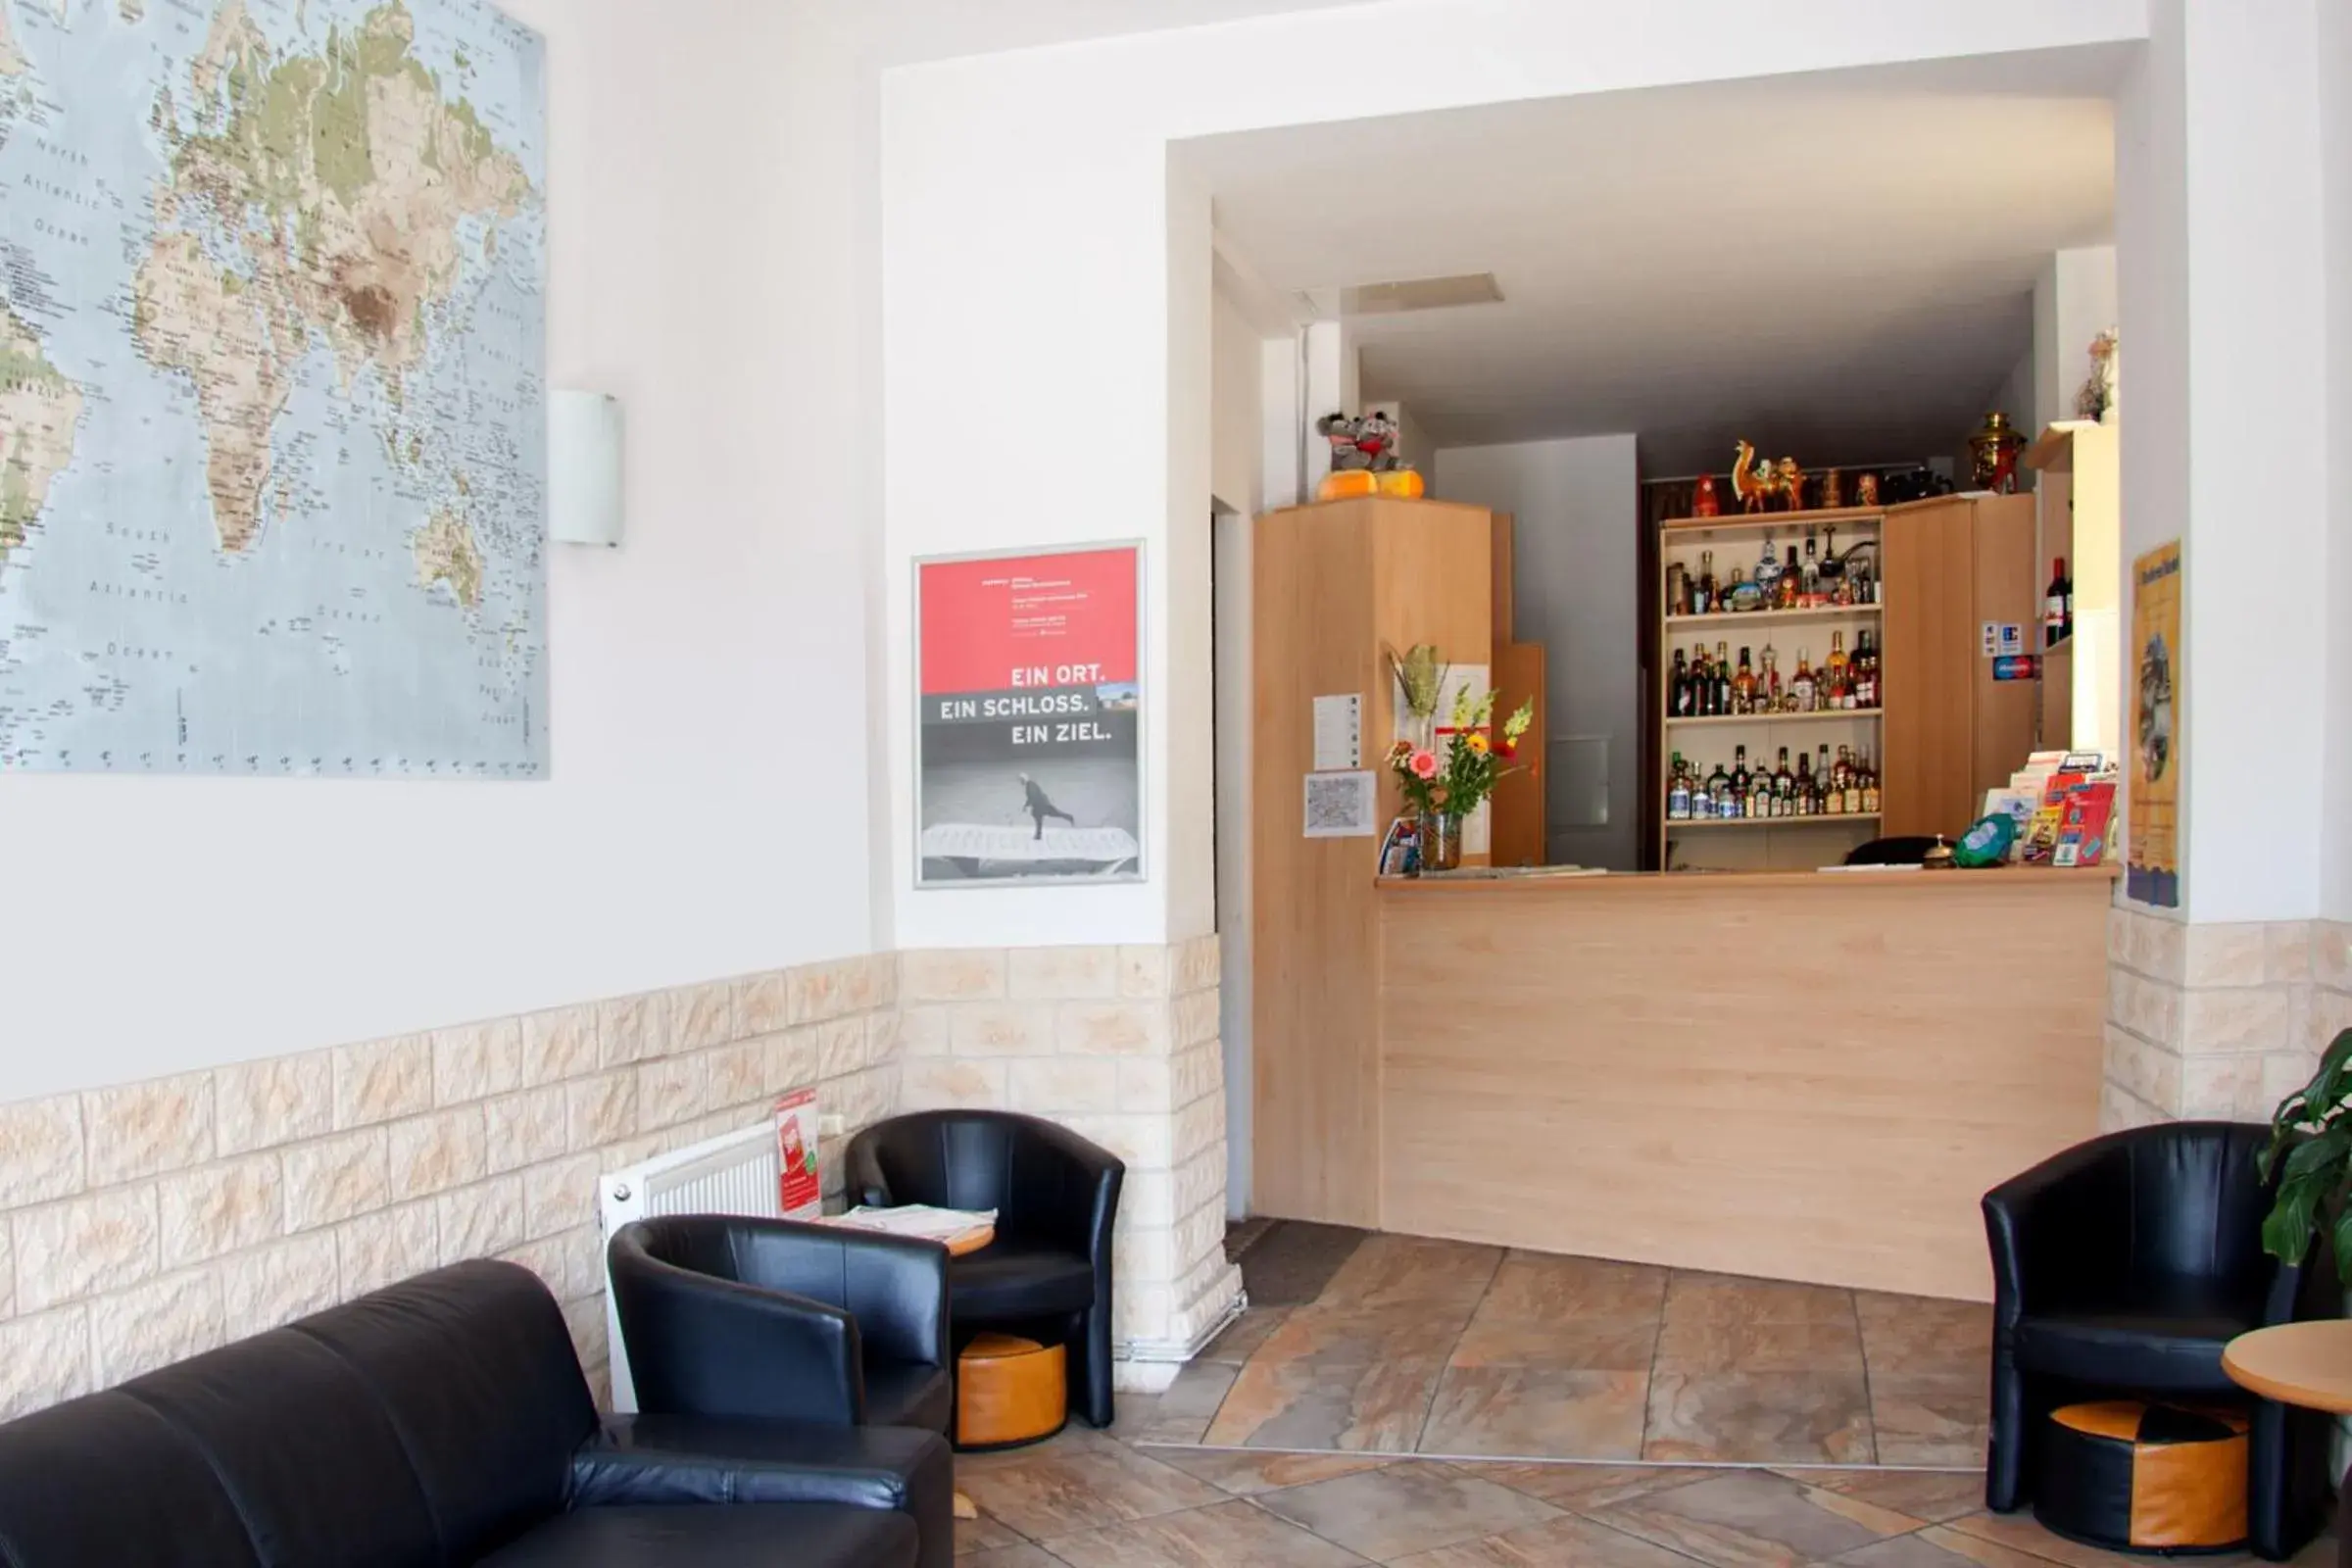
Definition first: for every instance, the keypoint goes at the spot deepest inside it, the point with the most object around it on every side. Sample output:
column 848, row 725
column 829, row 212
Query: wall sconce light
column 583, row 468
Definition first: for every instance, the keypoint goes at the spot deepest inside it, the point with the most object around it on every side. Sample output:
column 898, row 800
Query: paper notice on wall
column 1341, row 805
column 1339, row 732
column 800, row 1189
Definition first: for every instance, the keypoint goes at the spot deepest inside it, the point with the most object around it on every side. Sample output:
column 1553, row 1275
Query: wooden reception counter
column 1801, row 1075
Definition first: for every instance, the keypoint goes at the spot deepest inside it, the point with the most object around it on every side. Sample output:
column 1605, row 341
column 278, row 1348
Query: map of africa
column 272, row 388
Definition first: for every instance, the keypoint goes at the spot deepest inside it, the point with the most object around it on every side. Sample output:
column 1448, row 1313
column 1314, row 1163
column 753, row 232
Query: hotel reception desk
column 1800, row 1075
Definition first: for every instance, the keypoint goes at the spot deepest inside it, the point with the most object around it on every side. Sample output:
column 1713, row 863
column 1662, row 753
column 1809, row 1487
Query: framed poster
column 1028, row 758
column 2152, row 864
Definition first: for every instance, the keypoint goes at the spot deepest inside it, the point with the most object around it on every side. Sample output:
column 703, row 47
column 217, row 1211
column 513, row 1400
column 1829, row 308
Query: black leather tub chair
column 1056, row 1198
column 771, row 1319
column 445, row 1421
column 2122, row 1265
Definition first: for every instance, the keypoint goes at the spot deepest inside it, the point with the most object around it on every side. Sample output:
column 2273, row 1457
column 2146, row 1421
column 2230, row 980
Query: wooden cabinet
column 1332, row 585
column 1952, row 566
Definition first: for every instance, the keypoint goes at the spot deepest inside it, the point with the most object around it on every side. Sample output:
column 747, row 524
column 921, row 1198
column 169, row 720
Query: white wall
column 2257, row 407
column 1064, row 153
column 2334, row 62
column 2074, row 302
column 691, row 828
column 1576, row 583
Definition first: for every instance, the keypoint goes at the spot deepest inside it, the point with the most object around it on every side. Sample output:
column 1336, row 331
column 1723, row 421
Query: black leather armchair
column 769, row 1319
column 2124, row 1265
column 1056, row 1198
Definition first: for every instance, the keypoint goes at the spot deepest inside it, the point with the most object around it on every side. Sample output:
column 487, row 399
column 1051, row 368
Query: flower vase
column 1440, row 841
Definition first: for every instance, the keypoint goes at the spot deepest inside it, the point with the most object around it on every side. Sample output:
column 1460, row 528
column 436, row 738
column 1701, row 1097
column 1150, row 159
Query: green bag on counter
column 1986, row 843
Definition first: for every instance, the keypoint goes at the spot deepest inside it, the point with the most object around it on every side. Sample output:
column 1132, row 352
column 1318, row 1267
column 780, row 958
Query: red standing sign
column 1028, row 744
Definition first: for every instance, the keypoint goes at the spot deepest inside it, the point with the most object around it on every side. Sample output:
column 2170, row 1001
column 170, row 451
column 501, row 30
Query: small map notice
column 1341, row 805
column 272, row 386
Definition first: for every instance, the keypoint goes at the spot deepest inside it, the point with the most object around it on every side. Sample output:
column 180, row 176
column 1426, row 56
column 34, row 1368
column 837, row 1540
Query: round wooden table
column 2308, row 1365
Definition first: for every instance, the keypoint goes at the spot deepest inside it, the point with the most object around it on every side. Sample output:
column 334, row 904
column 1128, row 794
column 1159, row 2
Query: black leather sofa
column 769, row 1319
column 1056, row 1198
column 2122, row 1265
column 445, row 1421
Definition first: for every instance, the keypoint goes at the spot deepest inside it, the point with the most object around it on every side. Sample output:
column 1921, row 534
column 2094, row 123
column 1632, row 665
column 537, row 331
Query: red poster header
column 1018, row 622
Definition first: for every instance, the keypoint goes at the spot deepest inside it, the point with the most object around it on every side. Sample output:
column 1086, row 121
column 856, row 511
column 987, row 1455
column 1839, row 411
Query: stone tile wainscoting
column 145, row 1223
column 1121, row 1044
column 2218, row 1020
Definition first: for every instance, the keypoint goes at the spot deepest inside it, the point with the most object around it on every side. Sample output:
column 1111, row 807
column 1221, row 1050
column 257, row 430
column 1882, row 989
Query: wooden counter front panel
column 1800, row 1082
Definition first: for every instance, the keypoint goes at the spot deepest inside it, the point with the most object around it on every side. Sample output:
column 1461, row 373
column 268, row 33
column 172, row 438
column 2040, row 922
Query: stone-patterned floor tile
column 1412, row 1271
column 1916, row 1334
column 1044, row 1494
column 1754, row 1519
column 1408, row 1507
column 2019, row 1533
column 1700, row 1344
column 1245, row 1335
column 1537, row 1413
column 1021, row 1557
column 1334, row 1379
column 1584, row 1488
column 1245, row 1473
column 1564, row 1543
column 1934, row 1496
column 1758, row 1418
column 1216, row 1536
column 1187, row 1405
column 1539, row 1287
column 984, row 1535
column 1597, row 1344
column 1941, row 1547
column 1732, row 1298
column 1931, row 1419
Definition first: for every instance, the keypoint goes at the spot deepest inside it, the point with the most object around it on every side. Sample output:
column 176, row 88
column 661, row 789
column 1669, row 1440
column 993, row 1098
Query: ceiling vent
column 1420, row 294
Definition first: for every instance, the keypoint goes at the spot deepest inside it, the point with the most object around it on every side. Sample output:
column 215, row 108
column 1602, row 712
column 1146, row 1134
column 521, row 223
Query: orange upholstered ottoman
column 1010, row 1392
column 2138, row 1476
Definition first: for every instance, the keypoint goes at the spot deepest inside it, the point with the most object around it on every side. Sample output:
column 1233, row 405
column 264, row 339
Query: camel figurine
column 1756, row 482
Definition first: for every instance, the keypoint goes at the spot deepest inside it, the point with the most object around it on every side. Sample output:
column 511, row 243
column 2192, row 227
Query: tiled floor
column 1441, row 1347
column 1727, row 1392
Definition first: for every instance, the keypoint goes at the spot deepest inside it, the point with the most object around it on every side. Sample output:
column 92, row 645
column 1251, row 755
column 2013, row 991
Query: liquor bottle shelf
column 1749, row 617
column 1818, row 716
column 1678, row 824
column 1677, row 529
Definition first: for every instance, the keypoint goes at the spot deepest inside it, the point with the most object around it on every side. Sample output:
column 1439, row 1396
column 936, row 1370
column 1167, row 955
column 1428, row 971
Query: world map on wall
column 272, row 388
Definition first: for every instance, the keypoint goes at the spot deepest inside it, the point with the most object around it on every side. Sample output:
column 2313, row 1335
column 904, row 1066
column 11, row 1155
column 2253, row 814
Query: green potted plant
column 2311, row 1154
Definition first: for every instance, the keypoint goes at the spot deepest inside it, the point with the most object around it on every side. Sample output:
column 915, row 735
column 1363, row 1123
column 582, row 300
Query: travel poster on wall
column 2152, row 865
column 1028, row 746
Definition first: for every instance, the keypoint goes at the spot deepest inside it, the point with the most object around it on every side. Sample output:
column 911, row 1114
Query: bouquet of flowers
column 1455, row 777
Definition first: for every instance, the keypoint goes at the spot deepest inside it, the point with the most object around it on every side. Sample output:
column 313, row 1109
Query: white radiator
column 734, row 1173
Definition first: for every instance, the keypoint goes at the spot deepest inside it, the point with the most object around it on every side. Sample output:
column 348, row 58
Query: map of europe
column 272, row 388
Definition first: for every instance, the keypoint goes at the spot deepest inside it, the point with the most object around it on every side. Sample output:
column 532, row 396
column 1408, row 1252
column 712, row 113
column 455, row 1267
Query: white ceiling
column 901, row 32
column 1839, row 266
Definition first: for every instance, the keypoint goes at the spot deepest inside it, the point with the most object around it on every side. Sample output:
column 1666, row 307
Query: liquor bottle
column 1808, row 803
column 1702, row 797
column 1784, row 788
column 1744, row 686
column 1681, row 696
column 1838, row 686
column 1723, row 678
column 1769, row 695
column 1702, row 597
column 1678, row 793
column 1792, row 580
column 1768, row 573
column 1833, row 799
column 1739, row 780
column 1719, row 791
column 1812, row 569
column 1803, row 693
column 1866, row 671
column 1853, row 788
column 2058, row 606
column 1870, row 790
